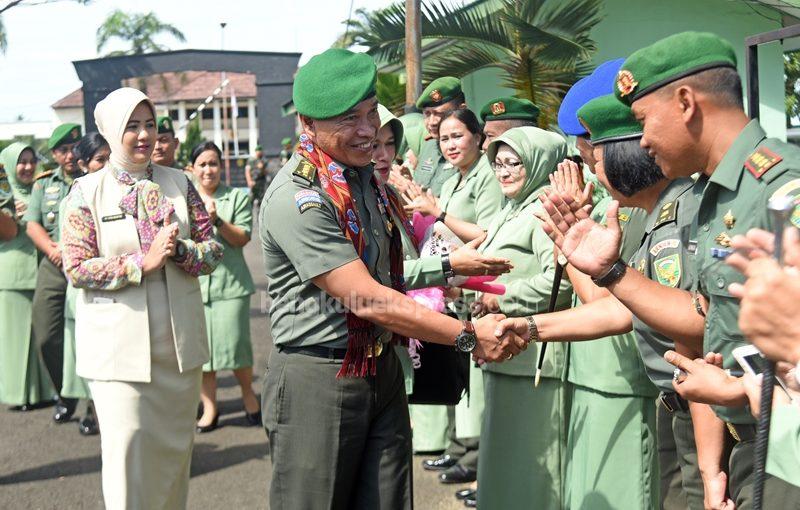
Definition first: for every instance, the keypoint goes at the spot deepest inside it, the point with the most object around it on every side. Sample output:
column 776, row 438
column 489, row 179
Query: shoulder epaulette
column 306, row 171
column 44, row 174
column 761, row 160
column 667, row 213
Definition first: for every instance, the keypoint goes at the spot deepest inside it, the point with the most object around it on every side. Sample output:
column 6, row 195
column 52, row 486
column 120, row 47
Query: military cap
column 440, row 91
column 608, row 120
column 333, row 82
column 63, row 134
column 286, row 141
column 164, row 124
column 259, row 148
column 599, row 83
column 504, row 108
column 671, row 59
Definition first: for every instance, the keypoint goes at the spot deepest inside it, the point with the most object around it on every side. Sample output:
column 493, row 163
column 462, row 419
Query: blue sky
column 44, row 40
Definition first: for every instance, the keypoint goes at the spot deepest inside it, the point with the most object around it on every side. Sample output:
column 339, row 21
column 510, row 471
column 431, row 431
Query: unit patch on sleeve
column 307, row 199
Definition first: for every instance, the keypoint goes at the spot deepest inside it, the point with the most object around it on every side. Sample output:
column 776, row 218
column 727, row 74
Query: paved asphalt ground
column 49, row 466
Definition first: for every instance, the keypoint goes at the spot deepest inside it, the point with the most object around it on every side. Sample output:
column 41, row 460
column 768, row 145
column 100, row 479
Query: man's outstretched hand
column 492, row 348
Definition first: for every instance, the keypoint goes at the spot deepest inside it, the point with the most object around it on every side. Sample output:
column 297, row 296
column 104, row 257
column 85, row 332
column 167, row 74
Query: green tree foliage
column 138, row 30
column 791, row 70
column 540, row 47
column 391, row 92
column 194, row 137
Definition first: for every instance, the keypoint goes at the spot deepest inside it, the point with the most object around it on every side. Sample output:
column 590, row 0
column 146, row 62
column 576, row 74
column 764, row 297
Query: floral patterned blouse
column 83, row 264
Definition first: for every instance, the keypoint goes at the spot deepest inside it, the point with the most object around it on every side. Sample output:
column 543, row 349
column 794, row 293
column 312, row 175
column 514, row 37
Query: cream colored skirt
column 147, row 429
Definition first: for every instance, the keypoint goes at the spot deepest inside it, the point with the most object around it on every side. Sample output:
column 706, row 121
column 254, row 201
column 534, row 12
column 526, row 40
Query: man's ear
column 307, row 123
column 687, row 102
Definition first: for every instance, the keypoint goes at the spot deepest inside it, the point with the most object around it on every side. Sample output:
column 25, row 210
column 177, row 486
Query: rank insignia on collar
column 729, row 220
column 723, row 240
column 498, row 108
column 760, row 161
column 306, row 170
column 667, row 213
column 625, row 82
column 623, row 217
column 436, row 95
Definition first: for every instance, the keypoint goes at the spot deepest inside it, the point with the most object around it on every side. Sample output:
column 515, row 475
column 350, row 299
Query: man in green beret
column 334, row 401
column 286, row 150
column 166, row 143
column 51, row 284
column 504, row 113
column 255, row 172
column 685, row 91
column 440, row 97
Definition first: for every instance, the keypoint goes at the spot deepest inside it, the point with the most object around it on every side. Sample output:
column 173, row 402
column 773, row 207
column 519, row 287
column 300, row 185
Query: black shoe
column 253, row 419
column 202, row 429
column 65, row 408
column 439, row 463
column 458, row 474
column 466, row 494
column 199, row 411
column 471, row 503
column 20, row 409
column 88, row 426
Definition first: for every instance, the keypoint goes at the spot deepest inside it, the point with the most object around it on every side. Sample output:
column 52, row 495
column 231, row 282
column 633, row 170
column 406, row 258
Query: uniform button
column 721, row 282
column 705, row 227
column 408, row 257
column 375, row 231
column 708, row 325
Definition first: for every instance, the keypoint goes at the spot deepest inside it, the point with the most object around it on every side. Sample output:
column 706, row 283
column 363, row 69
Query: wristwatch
column 466, row 341
column 533, row 331
column 447, row 269
column 615, row 273
column 217, row 221
column 441, row 217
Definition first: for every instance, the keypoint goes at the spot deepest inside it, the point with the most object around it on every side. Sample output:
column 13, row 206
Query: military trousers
column 681, row 483
column 47, row 323
column 778, row 494
column 337, row 443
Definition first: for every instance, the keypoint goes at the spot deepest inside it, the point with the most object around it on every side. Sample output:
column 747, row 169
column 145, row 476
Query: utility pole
column 413, row 57
column 225, row 153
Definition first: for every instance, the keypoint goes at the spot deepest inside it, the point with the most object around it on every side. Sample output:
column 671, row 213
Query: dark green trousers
column 47, row 320
column 681, row 483
column 337, row 443
column 778, row 494
column 465, row 449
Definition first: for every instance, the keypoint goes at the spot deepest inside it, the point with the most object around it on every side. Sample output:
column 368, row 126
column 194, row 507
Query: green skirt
column 469, row 411
column 523, row 440
column 428, row 428
column 228, row 325
column 612, row 461
column 23, row 378
column 73, row 385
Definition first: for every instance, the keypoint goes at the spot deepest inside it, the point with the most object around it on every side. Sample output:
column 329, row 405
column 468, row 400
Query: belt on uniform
column 741, row 432
column 320, row 351
column 673, row 402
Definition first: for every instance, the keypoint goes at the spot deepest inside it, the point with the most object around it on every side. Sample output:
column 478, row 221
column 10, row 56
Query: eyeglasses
column 513, row 167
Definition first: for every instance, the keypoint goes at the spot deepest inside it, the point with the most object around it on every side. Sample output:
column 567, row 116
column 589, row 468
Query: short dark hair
column 468, row 118
column 88, row 146
column 722, row 84
column 629, row 168
column 201, row 148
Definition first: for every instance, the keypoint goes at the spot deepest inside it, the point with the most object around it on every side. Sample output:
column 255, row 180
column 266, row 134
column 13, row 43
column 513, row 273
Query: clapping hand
column 568, row 180
column 211, row 209
column 161, row 249
column 466, row 261
column 421, row 201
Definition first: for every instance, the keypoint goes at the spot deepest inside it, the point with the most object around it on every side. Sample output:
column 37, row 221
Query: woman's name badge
column 113, row 217
column 102, row 300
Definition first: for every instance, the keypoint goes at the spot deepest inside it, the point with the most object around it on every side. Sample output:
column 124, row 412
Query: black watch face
column 466, row 342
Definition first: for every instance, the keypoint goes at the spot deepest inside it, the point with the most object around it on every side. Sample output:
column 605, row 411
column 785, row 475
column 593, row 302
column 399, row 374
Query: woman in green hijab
column 23, row 380
column 523, row 434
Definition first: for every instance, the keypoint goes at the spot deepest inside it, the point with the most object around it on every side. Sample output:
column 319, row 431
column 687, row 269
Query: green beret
column 63, row 134
column 504, row 108
column 259, row 148
column 608, row 120
column 286, row 141
column 670, row 59
column 333, row 82
column 440, row 91
column 164, row 124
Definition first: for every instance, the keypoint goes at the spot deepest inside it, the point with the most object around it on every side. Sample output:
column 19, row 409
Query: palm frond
column 383, row 32
column 448, row 21
column 462, row 58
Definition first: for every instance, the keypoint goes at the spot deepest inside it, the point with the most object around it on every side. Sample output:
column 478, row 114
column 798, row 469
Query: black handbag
column 442, row 377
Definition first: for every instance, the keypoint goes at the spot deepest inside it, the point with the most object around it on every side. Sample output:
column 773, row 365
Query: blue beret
column 599, row 83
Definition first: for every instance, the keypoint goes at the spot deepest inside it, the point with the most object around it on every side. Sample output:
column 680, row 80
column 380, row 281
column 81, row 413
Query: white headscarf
column 111, row 116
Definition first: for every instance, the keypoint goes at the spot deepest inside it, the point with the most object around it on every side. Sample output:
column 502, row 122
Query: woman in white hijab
column 135, row 237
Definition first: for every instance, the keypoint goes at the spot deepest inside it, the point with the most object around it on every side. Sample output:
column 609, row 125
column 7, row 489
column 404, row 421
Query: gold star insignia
column 729, row 219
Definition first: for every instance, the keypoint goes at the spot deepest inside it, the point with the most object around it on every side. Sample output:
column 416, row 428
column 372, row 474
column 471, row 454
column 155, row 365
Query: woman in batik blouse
column 136, row 237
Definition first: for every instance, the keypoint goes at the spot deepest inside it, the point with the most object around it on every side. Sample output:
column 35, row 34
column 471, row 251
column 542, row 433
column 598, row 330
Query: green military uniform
column 258, row 172
column 227, row 291
column 784, row 444
column 523, row 435
column 733, row 200
column 23, row 377
column 335, row 442
column 611, row 432
column 476, row 198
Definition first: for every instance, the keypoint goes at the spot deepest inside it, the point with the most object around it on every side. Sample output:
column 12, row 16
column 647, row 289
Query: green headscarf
column 540, row 152
column 388, row 117
column 9, row 158
column 414, row 128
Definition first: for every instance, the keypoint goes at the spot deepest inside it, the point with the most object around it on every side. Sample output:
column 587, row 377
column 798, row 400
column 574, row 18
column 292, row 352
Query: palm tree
column 140, row 30
column 541, row 47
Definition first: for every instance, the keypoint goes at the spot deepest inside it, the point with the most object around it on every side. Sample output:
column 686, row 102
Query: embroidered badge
column 723, row 240
column 729, row 220
column 760, row 161
column 625, row 82
column 668, row 270
column 791, row 188
column 436, row 95
column 667, row 213
column 306, row 170
column 113, row 217
column 307, row 199
column 662, row 245
column 498, row 108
